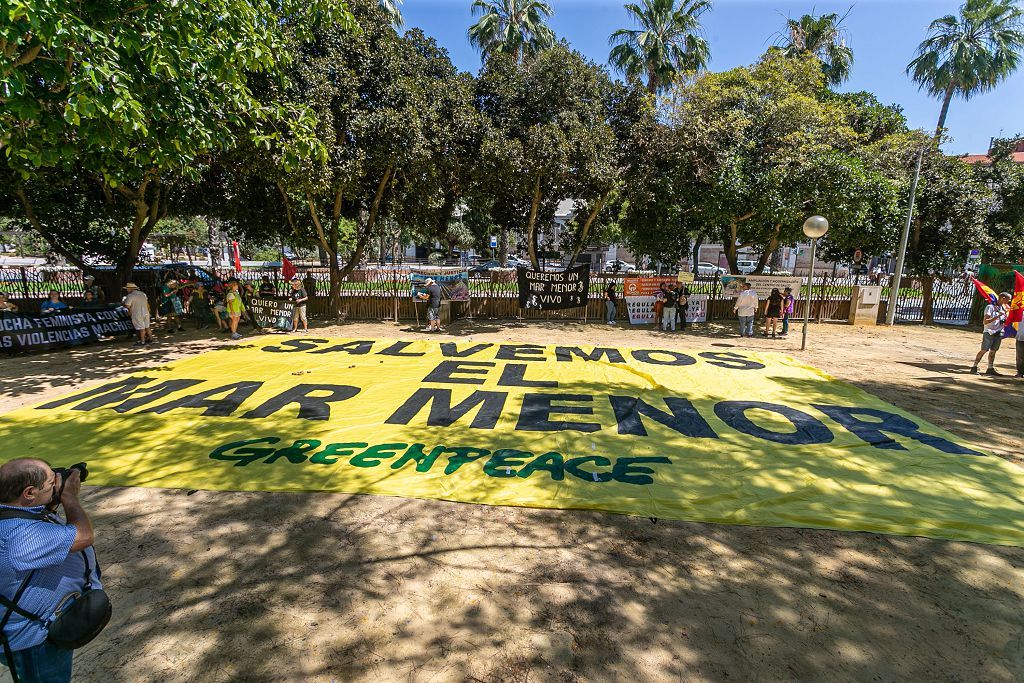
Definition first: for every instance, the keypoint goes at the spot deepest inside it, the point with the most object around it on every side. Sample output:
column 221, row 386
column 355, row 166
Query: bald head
column 18, row 474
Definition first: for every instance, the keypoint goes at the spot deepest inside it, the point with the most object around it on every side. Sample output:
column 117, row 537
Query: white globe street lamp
column 814, row 227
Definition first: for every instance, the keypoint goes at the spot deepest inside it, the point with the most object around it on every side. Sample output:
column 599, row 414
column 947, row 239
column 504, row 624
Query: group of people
column 777, row 307
column 670, row 304
column 224, row 302
column 992, row 336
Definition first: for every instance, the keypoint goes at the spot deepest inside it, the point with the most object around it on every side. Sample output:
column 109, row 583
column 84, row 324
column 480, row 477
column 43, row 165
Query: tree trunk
column 942, row 112
column 729, row 242
column 584, row 237
column 928, row 301
column 766, row 254
column 531, row 225
column 503, row 245
column 696, row 252
column 213, row 241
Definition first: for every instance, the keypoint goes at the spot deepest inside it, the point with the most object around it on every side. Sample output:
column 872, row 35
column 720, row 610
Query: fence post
column 24, row 282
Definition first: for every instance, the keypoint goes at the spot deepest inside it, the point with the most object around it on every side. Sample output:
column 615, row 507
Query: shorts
column 991, row 342
column 434, row 313
column 300, row 313
column 140, row 321
column 170, row 307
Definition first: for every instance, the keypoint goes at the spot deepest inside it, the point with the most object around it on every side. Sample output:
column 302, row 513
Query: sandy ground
column 214, row 586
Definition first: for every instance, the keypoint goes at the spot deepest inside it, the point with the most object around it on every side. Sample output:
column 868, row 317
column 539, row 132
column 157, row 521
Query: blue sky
column 883, row 35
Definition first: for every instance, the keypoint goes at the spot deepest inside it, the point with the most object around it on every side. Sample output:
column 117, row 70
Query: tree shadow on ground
column 310, row 587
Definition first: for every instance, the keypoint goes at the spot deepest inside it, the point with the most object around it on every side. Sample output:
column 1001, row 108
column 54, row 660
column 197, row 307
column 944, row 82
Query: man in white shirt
column 137, row 304
column 746, row 309
column 992, row 337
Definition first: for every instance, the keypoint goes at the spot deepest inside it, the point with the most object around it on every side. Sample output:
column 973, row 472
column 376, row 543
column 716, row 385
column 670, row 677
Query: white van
column 746, row 267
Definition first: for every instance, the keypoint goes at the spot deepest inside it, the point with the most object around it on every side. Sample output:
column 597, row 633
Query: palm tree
column 514, row 27
column 393, row 11
column 969, row 54
column 823, row 37
column 667, row 42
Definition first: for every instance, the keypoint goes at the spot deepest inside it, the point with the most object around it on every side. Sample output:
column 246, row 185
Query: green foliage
column 824, row 37
column 515, row 28
column 1005, row 222
column 971, row 53
column 110, row 106
column 667, row 44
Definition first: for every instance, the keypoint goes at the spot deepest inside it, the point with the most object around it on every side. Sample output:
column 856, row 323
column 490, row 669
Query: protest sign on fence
column 640, row 294
column 761, row 284
column 271, row 312
column 549, row 290
column 23, row 332
column 454, row 283
column 726, row 436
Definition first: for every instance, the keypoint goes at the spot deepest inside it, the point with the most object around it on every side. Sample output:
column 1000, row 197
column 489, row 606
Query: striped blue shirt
column 27, row 545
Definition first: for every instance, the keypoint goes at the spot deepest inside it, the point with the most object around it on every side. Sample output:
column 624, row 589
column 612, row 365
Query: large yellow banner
column 715, row 436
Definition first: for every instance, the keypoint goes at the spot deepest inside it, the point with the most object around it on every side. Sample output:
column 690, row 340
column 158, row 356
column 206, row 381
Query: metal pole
column 810, row 289
column 894, row 286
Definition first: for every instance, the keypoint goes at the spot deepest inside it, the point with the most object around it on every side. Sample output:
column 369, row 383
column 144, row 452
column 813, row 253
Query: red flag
column 238, row 258
column 287, row 268
column 1016, row 314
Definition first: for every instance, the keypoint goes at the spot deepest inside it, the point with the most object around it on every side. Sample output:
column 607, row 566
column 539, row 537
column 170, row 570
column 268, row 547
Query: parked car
column 487, row 266
column 619, row 266
column 705, row 268
column 746, row 267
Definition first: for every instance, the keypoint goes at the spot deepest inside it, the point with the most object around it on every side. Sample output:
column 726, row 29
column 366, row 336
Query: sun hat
column 131, row 285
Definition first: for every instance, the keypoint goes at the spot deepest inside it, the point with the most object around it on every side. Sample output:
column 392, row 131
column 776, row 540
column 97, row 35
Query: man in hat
column 433, row 298
column 137, row 304
column 98, row 295
column 992, row 336
column 299, row 297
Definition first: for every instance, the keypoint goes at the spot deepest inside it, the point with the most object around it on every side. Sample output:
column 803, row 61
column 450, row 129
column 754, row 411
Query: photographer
column 45, row 564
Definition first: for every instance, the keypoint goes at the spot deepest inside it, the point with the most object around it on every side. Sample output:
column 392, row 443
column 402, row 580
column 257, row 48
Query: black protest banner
column 22, row 332
column 271, row 313
column 548, row 291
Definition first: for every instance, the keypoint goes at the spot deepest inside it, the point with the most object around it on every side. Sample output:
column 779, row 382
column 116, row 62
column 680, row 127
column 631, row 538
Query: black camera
column 64, row 473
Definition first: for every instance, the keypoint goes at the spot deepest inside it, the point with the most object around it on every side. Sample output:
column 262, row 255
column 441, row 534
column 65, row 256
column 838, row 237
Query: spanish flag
column 986, row 292
column 1013, row 318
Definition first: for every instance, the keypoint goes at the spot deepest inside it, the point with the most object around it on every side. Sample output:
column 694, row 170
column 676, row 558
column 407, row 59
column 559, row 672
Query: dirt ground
column 216, row 586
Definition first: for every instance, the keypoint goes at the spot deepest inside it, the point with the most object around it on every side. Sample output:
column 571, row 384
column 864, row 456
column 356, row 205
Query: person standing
column 682, row 304
column 199, row 306
column 98, row 295
column 659, row 304
column 170, row 304
column 745, row 309
column 235, row 307
column 1020, row 350
column 432, row 296
column 668, row 311
column 44, row 561
column 267, row 288
column 137, row 304
column 772, row 311
column 299, row 297
column 992, row 336
column 788, row 302
column 610, row 302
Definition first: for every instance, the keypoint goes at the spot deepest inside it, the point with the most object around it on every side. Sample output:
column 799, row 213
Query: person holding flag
column 995, row 320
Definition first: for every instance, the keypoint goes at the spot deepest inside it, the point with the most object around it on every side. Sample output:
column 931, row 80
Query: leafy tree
column 1005, row 222
column 667, row 43
column 969, row 54
column 393, row 8
column 824, row 37
column 513, row 27
column 548, row 138
column 379, row 110
column 745, row 157
column 109, row 106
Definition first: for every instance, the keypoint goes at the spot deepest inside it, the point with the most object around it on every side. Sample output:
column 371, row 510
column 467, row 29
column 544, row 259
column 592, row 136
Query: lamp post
column 814, row 227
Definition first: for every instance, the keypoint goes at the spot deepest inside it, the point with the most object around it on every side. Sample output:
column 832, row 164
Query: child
column 235, row 307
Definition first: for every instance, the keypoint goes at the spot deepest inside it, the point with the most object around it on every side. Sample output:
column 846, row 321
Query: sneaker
column 974, row 370
column 992, row 371
column 139, row 343
column 236, row 336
